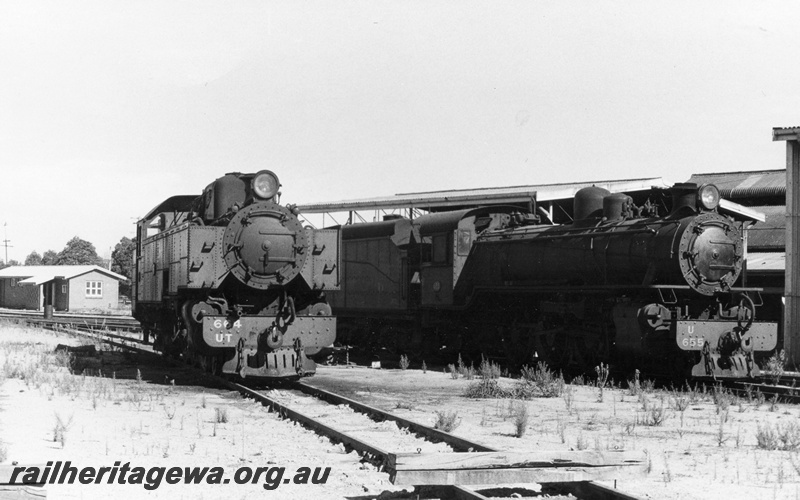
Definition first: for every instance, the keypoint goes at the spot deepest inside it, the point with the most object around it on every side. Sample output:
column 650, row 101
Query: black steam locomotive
column 620, row 284
column 231, row 280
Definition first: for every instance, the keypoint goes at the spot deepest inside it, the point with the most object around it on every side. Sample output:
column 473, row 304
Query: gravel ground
column 165, row 417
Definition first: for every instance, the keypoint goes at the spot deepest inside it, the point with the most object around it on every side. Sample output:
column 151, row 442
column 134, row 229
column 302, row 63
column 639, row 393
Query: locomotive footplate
column 726, row 349
column 263, row 346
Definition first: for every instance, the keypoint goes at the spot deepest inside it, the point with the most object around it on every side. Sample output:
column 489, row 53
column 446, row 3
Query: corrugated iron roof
column 494, row 195
column 36, row 275
column 737, row 185
column 770, row 234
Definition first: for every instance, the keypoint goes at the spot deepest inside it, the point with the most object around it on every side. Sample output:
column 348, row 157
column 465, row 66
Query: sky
column 109, row 107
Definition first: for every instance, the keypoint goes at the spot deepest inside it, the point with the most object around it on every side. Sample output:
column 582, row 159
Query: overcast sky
column 109, row 107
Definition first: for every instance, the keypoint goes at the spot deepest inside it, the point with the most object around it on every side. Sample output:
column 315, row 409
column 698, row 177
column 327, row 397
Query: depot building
column 65, row 288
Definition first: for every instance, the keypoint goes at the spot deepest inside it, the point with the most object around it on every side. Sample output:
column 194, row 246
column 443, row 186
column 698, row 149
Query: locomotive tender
column 620, row 284
column 231, row 280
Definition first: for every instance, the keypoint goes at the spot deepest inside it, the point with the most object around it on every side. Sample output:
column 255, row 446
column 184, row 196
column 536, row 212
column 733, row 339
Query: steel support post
column 791, row 316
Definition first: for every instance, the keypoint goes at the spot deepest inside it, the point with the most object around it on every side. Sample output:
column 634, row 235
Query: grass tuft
column 540, row 381
column 220, row 415
column 521, row 417
column 488, row 369
column 785, row 437
column 486, row 388
column 774, row 367
column 447, row 421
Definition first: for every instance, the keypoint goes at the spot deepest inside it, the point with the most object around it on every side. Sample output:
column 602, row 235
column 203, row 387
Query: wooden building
column 65, row 288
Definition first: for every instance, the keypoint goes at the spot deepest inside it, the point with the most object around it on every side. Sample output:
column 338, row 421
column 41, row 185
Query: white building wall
column 79, row 300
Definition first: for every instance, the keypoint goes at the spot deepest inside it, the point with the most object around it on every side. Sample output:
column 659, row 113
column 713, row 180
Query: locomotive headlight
column 265, row 184
column 708, row 194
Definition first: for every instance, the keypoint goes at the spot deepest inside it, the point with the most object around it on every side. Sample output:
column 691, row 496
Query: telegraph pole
column 6, row 241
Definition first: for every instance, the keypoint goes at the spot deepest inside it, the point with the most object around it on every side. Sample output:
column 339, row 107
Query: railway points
column 567, row 472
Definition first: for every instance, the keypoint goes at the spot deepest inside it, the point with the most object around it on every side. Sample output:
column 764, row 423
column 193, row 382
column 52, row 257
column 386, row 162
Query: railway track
column 581, row 489
column 784, row 388
column 377, row 435
column 85, row 322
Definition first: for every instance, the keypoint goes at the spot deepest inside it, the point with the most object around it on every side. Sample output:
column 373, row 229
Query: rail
column 571, row 478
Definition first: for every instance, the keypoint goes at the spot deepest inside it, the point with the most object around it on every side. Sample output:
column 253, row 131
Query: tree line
column 82, row 252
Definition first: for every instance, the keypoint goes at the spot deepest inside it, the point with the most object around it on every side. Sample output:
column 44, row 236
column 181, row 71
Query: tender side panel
column 144, row 274
column 177, row 244
column 164, row 264
column 373, row 276
column 150, row 271
column 159, row 266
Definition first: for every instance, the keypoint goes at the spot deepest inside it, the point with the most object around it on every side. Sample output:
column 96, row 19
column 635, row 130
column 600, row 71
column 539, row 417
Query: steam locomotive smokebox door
column 264, row 245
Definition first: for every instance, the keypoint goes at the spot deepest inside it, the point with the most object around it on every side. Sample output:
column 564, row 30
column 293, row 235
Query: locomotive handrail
column 564, row 233
column 585, row 235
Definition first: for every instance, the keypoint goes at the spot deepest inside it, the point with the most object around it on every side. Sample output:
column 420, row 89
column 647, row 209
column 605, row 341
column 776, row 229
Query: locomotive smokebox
column 588, row 202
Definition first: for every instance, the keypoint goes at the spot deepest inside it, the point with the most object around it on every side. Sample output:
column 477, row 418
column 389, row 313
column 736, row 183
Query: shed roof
column 770, row 234
column 36, row 275
column 753, row 184
column 492, row 195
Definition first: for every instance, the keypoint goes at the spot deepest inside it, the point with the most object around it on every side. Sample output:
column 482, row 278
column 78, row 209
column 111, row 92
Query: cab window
column 464, row 240
column 440, row 252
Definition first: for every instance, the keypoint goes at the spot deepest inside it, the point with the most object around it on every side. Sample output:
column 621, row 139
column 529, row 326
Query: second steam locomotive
column 232, row 280
column 620, row 284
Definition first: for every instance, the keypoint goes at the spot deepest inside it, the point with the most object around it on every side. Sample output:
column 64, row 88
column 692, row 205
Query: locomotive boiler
column 231, row 280
column 659, row 292
column 621, row 284
column 610, row 244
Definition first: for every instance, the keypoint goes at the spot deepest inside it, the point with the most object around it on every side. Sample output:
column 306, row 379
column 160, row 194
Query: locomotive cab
column 446, row 242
